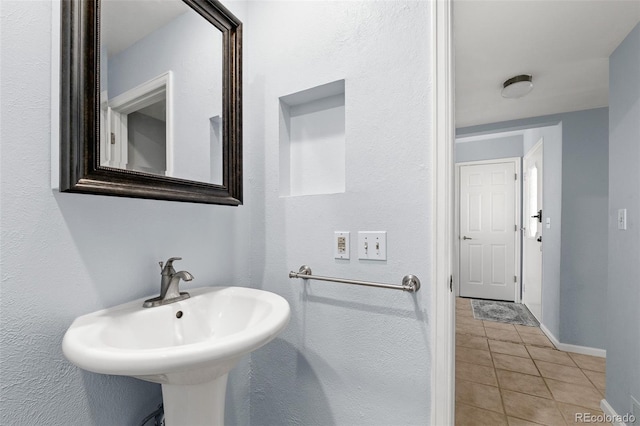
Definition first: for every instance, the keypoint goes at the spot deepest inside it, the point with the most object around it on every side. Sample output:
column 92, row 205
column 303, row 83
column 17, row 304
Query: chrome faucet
column 169, row 285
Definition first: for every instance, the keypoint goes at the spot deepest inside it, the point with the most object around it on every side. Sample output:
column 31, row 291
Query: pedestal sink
column 188, row 346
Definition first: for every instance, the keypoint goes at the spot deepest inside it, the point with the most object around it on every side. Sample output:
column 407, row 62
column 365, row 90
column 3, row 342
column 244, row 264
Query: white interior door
column 532, row 238
column 488, row 230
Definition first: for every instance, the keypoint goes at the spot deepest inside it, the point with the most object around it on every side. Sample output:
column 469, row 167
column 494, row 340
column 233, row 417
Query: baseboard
column 585, row 350
column 608, row 411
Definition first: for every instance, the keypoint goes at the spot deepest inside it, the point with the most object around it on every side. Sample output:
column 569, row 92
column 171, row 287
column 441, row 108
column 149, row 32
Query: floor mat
column 507, row 312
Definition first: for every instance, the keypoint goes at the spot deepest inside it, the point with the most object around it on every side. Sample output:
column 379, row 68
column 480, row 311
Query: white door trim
column 138, row 97
column 517, row 161
column 442, row 136
column 527, row 155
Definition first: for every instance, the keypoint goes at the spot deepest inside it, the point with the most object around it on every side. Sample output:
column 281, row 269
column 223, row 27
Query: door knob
column 539, row 216
column 467, row 238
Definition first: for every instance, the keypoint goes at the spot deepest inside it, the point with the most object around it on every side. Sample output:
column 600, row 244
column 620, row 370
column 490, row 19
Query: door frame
column 442, row 327
column 517, row 162
column 117, row 109
column 540, row 143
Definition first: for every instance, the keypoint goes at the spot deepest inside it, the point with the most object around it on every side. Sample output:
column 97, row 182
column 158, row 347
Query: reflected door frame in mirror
column 80, row 169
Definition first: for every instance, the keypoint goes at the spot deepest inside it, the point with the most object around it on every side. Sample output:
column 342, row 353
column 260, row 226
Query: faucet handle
column 169, row 263
column 167, row 267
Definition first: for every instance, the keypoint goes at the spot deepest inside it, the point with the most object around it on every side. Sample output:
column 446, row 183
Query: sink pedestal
column 201, row 404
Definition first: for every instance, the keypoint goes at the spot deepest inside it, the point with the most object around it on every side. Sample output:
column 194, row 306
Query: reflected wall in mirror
column 151, row 100
column 161, row 84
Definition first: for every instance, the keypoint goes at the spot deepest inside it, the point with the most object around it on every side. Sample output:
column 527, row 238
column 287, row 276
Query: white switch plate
column 372, row 245
column 622, row 219
column 548, row 223
column 341, row 245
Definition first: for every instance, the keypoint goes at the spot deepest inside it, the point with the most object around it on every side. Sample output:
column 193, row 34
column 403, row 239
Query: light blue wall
column 578, row 175
column 64, row 255
column 623, row 295
column 351, row 355
column 585, row 170
column 489, row 149
column 196, row 84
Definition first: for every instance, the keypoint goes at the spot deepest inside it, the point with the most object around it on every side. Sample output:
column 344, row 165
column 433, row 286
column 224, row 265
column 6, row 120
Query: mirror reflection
column 160, row 90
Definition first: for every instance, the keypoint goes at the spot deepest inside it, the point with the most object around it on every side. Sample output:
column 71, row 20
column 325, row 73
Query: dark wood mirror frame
column 80, row 169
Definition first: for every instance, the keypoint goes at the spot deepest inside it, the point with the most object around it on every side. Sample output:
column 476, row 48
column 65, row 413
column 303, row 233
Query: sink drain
column 179, row 314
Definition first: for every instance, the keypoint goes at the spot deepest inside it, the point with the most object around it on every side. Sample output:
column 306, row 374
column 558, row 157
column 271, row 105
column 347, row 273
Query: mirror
column 151, row 100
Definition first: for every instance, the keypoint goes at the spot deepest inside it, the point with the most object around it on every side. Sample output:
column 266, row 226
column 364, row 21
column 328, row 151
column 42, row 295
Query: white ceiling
column 126, row 21
column 564, row 44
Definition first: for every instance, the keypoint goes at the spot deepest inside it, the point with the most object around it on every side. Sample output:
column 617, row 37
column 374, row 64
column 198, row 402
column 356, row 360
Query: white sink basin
column 188, row 346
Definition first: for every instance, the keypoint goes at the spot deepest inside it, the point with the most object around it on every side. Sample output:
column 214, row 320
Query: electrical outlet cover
column 341, row 247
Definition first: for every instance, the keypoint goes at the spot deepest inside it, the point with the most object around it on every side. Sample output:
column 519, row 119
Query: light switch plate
column 622, row 219
column 372, row 245
column 341, row 246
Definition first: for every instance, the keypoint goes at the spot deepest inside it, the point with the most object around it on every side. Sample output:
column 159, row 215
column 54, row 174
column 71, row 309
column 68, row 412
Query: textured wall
column 623, row 291
column 575, row 279
column 351, row 355
column 64, row 255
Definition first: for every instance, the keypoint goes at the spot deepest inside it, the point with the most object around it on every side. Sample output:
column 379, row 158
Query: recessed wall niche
column 312, row 141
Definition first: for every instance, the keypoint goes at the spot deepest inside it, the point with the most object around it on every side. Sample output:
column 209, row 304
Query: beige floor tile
column 598, row 379
column 473, row 356
column 583, row 414
column 469, row 321
column 462, row 300
column 515, row 363
column 463, row 303
column 466, row 415
column 550, row 355
column 494, row 374
column 581, row 395
column 504, row 335
column 465, row 306
column 464, row 313
column 529, row 330
column 536, row 340
column 508, row 348
column 519, row 422
column 471, row 341
column 469, row 329
column 479, row 395
column 523, row 383
column 476, row 373
column 532, row 408
column 564, row 373
column 588, row 362
column 499, row 325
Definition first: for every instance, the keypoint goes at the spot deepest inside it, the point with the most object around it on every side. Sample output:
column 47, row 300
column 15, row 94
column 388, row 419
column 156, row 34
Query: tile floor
column 513, row 375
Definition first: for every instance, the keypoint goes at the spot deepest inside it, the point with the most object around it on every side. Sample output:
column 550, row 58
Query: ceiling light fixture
column 517, row 87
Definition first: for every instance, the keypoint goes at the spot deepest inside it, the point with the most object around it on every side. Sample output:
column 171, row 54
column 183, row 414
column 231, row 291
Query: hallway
column 512, row 374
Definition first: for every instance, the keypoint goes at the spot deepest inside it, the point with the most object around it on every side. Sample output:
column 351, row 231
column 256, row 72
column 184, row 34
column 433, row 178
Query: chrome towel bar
column 410, row 283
